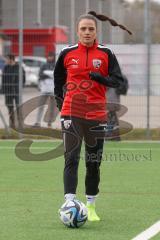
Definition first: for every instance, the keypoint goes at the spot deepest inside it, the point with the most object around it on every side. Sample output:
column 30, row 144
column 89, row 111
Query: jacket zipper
column 87, row 58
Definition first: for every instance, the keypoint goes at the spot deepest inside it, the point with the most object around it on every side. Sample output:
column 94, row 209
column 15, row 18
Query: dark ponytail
column 110, row 20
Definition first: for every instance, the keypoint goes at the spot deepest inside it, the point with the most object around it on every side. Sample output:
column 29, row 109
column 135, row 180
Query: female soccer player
column 82, row 74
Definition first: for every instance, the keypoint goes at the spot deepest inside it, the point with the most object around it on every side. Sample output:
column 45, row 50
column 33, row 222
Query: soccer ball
column 73, row 213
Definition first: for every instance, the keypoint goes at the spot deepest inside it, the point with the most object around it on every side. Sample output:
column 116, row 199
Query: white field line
column 11, row 148
column 115, row 149
column 52, row 140
column 34, row 140
column 149, row 232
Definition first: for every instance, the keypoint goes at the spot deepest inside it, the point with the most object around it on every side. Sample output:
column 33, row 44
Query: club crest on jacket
column 67, row 123
column 96, row 63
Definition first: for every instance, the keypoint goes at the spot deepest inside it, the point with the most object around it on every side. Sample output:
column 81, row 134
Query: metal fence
column 32, row 28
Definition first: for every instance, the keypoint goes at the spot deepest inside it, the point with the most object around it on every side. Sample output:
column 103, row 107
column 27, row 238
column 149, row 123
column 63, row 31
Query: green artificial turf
column 32, row 192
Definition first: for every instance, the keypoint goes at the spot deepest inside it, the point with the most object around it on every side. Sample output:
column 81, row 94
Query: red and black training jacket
column 82, row 96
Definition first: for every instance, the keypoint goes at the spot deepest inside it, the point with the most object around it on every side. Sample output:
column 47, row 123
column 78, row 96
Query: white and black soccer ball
column 73, row 213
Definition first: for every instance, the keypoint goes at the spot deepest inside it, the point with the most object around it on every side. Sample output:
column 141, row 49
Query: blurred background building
column 49, row 13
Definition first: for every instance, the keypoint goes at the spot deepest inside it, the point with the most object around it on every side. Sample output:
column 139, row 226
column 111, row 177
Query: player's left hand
column 95, row 76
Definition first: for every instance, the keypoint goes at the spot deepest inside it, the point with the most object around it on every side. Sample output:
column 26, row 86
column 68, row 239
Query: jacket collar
column 83, row 47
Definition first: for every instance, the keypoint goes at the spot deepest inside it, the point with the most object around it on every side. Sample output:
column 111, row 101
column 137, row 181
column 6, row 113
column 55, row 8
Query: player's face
column 87, row 32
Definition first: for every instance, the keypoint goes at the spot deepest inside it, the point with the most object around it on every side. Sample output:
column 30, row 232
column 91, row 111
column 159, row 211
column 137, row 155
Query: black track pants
column 74, row 131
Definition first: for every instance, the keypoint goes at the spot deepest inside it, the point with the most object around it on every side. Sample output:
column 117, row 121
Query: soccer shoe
column 37, row 125
column 49, row 125
column 92, row 215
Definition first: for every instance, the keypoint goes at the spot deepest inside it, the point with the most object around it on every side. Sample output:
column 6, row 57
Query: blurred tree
column 134, row 17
